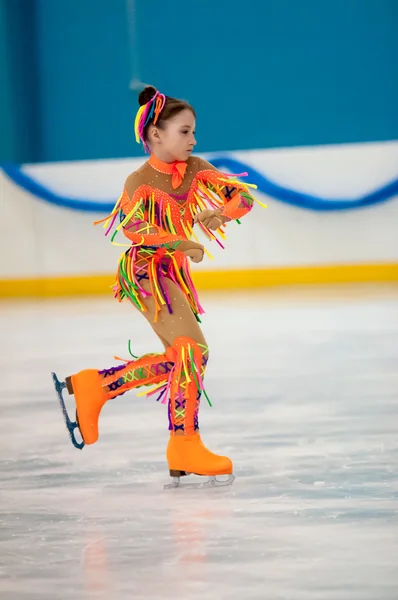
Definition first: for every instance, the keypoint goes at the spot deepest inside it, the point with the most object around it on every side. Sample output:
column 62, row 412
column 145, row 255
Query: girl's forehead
column 185, row 117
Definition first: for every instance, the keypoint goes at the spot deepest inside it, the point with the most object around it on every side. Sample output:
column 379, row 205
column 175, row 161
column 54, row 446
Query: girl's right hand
column 195, row 254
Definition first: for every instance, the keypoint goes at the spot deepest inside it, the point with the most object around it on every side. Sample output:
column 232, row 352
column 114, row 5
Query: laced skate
column 71, row 425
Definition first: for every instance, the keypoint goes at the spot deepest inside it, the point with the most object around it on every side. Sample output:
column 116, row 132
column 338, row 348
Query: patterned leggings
column 175, row 375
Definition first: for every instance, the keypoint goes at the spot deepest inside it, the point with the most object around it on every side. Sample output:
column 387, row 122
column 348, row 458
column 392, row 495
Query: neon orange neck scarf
column 176, row 169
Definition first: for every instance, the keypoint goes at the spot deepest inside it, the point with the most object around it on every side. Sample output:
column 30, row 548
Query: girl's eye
column 185, row 132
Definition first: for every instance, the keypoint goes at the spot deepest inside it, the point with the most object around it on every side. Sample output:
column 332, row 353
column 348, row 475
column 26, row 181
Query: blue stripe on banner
column 24, row 181
column 301, row 200
column 265, row 185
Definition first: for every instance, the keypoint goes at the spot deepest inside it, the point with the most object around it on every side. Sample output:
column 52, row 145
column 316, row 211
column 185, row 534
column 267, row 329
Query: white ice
column 304, row 384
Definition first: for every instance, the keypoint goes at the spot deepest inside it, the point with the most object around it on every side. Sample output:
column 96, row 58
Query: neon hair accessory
column 150, row 110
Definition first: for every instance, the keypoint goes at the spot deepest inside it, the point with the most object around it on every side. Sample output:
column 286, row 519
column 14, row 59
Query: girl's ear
column 154, row 135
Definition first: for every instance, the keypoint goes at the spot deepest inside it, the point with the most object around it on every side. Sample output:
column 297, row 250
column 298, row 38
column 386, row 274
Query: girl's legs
column 164, row 342
column 92, row 388
column 180, row 370
column 182, row 334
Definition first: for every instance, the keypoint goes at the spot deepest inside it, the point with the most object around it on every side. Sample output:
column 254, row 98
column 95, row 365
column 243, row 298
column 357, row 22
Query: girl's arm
column 234, row 195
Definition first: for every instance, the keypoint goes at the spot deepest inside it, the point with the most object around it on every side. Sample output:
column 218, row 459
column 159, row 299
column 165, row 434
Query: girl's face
column 177, row 140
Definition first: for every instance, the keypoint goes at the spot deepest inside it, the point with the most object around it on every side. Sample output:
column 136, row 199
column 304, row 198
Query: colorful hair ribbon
column 150, row 110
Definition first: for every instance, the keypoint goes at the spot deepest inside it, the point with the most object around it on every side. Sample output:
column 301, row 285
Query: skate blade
column 71, row 425
column 211, row 482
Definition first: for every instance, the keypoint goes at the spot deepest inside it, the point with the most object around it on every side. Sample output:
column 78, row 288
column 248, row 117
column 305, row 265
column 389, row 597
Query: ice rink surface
column 304, row 384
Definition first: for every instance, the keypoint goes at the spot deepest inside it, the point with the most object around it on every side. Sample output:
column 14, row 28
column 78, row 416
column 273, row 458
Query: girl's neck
column 164, row 157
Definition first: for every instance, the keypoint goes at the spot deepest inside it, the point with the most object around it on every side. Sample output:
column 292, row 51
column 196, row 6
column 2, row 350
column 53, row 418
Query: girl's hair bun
column 146, row 95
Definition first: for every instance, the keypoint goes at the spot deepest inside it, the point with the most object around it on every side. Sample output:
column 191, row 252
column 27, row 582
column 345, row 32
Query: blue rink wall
column 305, row 72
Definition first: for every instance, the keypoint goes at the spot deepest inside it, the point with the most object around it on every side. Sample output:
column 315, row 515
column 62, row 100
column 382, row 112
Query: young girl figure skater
column 160, row 204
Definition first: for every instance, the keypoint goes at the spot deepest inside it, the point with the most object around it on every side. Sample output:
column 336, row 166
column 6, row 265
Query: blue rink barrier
column 273, row 190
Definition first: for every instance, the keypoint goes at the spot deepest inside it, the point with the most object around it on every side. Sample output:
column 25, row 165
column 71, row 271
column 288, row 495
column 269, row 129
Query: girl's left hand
column 211, row 219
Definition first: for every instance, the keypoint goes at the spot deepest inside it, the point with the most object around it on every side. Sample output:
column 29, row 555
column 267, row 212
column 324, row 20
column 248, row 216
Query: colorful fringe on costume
column 158, row 264
column 156, row 223
column 158, row 213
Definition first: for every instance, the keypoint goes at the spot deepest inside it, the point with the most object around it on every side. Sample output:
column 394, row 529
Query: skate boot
column 186, row 454
column 92, row 389
column 86, row 387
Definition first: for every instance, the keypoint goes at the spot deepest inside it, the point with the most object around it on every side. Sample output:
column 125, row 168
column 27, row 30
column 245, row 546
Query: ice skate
column 89, row 397
column 187, row 455
column 92, row 389
column 71, row 425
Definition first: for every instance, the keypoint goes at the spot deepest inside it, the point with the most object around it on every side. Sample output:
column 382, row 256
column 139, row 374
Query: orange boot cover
column 93, row 388
column 186, row 452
